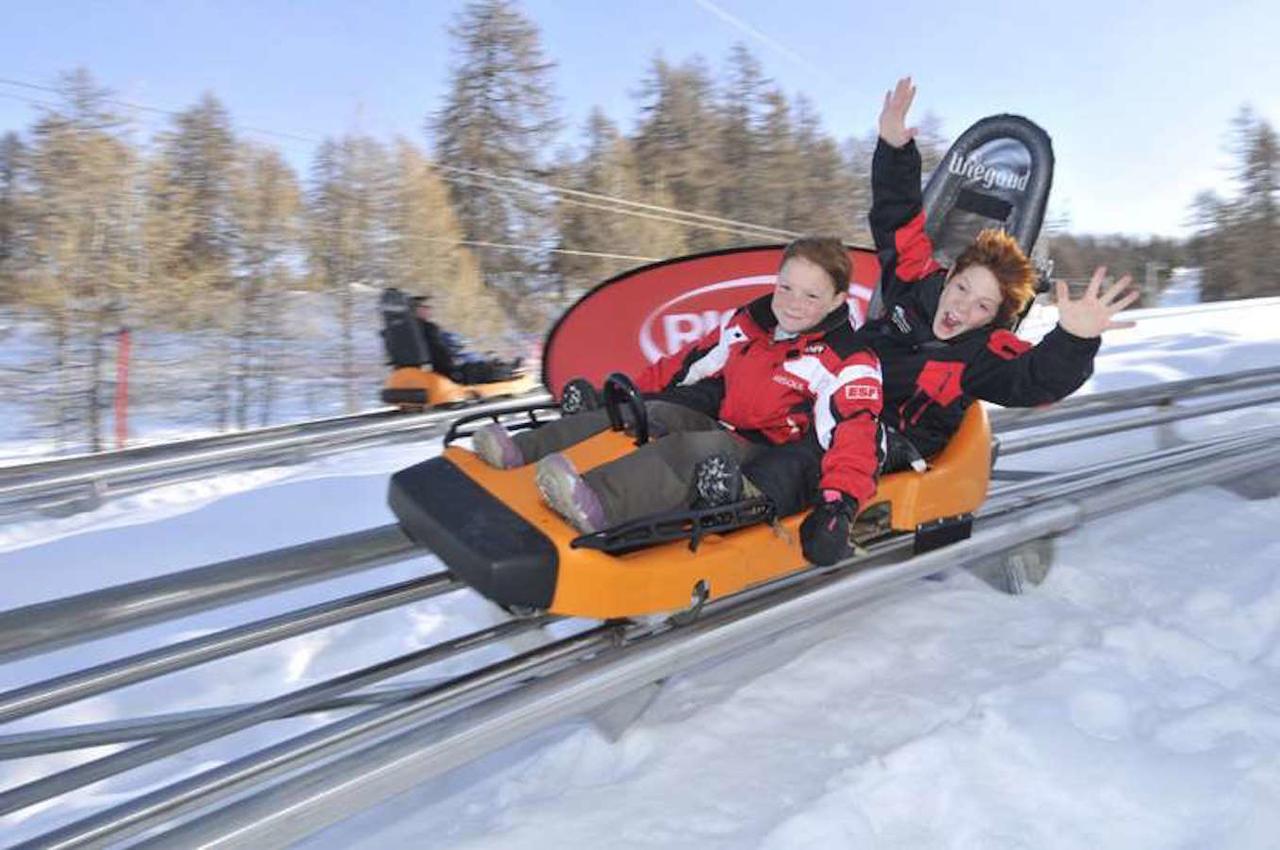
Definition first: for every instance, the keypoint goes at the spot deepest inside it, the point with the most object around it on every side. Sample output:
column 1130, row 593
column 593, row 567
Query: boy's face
column 803, row 295
column 970, row 300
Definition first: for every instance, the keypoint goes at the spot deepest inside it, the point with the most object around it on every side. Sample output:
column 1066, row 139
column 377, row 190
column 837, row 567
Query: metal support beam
column 323, row 796
column 1013, row 443
column 20, row 487
column 1119, row 401
column 107, row 828
column 273, row 709
column 39, row 742
column 39, row 628
column 42, row 696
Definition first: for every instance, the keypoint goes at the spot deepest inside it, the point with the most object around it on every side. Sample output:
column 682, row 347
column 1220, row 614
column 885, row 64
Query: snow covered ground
column 1131, row 701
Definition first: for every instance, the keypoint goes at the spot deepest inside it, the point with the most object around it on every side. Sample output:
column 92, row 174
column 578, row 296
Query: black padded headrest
column 401, row 333
column 997, row 174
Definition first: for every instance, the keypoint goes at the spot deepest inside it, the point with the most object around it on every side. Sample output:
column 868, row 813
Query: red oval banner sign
column 631, row 320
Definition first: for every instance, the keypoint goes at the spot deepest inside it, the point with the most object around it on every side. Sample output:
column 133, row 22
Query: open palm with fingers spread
column 1091, row 314
column 893, row 117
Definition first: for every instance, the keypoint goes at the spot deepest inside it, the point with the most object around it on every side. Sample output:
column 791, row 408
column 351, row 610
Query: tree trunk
column 93, row 386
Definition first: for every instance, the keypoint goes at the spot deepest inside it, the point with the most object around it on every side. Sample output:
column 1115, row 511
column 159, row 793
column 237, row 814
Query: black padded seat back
column 401, row 332
column 996, row 175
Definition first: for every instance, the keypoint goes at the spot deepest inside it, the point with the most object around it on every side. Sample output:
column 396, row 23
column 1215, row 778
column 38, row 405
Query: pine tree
column 168, row 222
column 824, row 186
column 779, row 202
column 608, row 168
column 497, row 120
column 200, row 153
column 1257, row 177
column 675, row 143
column 12, row 164
column 265, row 204
column 346, row 238
column 741, row 175
column 424, row 254
column 197, row 154
column 1209, row 246
column 1237, row 241
column 82, row 263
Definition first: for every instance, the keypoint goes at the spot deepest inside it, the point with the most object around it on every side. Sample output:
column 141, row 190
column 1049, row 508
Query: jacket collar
column 761, row 312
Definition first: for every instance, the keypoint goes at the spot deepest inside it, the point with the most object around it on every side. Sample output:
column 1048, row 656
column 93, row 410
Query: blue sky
column 1138, row 96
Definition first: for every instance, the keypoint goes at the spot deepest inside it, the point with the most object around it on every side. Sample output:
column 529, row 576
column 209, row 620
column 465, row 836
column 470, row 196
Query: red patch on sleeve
column 860, row 396
column 1007, row 345
column 915, row 251
column 940, row 380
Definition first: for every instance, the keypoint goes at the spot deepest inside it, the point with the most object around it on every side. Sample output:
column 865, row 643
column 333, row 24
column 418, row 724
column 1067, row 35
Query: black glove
column 824, row 534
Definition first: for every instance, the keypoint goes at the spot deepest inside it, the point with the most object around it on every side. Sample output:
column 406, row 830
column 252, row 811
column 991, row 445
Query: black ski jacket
column 929, row 383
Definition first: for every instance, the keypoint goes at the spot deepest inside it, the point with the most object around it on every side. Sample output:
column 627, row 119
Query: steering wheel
column 619, row 388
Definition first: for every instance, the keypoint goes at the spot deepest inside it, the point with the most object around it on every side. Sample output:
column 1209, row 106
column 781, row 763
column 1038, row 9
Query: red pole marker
column 122, row 387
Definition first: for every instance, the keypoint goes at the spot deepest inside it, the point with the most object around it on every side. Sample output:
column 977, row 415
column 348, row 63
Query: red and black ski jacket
column 929, row 383
column 819, row 385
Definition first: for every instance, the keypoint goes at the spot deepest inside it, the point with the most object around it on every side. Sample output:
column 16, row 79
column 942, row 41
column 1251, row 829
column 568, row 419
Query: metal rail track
column 1003, row 500
column 392, row 746
column 80, row 483
column 402, row 735
column 326, row 794
column 39, row 628
column 90, row 460
column 1158, row 395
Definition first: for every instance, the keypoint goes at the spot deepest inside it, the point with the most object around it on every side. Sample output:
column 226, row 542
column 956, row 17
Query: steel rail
column 42, row 696
column 37, row 742
column 78, row 685
column 44, row 626
column 1074, row 483
column 87, row 478
column 89, row 460
column 1052, row 485
column 1003, row 418
column 90, row 681
column 1170, row 392
column 325, row 794
column 48, row 787
column 108, row 828
column 328, row 793
column 1014, row 443
column 116, row 475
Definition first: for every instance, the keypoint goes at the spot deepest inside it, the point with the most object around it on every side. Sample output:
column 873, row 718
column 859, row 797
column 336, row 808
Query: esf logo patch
column 861, row 392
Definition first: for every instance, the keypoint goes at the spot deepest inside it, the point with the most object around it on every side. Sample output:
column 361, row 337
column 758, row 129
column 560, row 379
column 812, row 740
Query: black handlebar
column 619, row 388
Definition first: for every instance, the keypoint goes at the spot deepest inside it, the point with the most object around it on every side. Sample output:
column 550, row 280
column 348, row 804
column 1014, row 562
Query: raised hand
column 893, row 117
column 1090, row 314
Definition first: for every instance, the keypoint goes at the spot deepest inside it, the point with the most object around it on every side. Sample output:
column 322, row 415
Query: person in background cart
column 449, row 356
